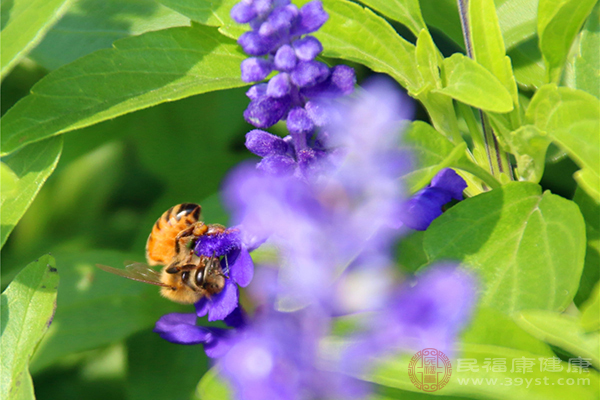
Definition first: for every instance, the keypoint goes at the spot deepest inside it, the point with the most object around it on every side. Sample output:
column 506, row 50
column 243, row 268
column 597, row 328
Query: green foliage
column 527, row 247
column 24, row 24
column 28, row 306
column 31, row 166
column 536, row 254
column 558, row 23
column 469, row 82
column 137, row 73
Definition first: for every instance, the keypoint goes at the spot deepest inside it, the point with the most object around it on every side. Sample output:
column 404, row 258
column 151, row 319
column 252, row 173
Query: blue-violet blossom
column 279, row 41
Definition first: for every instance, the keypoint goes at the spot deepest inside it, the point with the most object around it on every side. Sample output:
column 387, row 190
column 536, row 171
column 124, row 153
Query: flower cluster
column 279, row 41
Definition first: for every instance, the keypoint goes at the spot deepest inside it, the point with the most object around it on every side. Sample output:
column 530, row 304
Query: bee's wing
column 136, row 271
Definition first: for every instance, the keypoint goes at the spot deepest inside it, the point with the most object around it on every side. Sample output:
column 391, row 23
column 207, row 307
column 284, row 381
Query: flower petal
column 202, row 306
column 242, row 269
column 181, row 328
column 222, row 304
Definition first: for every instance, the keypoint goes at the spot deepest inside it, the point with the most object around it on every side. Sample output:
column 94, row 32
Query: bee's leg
column 185, row 236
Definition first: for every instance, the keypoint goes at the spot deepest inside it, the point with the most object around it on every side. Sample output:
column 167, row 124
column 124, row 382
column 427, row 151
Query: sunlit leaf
column 138, row 72
column 558, row 23
column 28, row 305
column 590, row 311
column 24, row 24
column 527, row 248
column 91, row 25
column 469, row 82
column 32, row 165
column 587, row 63
column 563, row 331
column 572, row 119
column 212, row 387
column 407, row 12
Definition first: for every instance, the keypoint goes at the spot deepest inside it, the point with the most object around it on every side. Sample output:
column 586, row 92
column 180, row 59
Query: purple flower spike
column 255, row 69
column 255, row 44
column 277, row 165
column 312, row 17
column 298, row 121
column 426, row 205
column 264, row 143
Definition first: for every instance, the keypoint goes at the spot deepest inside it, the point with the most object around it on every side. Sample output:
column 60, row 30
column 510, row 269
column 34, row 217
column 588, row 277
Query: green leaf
column 491, row 327
column 469, row 82
column 96, row 308
column 443, row 15
column 28, row 305
column 206, row 12
column 488, row 45
column 528, row 65
column 527, row 248
column 32, row 165
column 495, row 384
column 572, row 119
column 407, row 12
column 587, row 62
column 91, row 25
column 357, row 34
column 517, row 19
column 529, row 147
column 558, row 23
column 212, row 387
column 590, row 311
column 9, row 180
column 432, row 152
column 427, row 56
column 563, row 331
column 24, row 24
column 591, row 270
column 138, row 72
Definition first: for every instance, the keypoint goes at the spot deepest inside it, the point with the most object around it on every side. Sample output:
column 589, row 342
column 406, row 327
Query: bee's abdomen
column 160, row 248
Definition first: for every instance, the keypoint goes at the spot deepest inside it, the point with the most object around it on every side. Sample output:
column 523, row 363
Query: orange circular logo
column 429, row 370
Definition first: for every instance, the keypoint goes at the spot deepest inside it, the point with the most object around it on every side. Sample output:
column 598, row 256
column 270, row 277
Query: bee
column 185, row 277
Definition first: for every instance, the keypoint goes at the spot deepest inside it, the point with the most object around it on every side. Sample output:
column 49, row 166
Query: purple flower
column 236, row 264
column 426, row 313
column 426, row 205
column 181, row 328
column 278, row 42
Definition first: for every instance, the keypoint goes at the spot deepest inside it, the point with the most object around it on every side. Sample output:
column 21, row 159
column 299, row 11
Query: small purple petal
column 202, row 306
column 307, row 48
column 450, row 181
column 279, row 86
column 218, row 345
column 242, row 268
column 257, row 91
column 318, row 112
column 255, row 69
column 181, row 329
column 285, row 58
column 277, row 165
column 266, row 111
column 223, row 303
column 424, row 207
column 264, row 143
column 343, row 77
column 255, row 44
column 237, row 318
column 262, row 7
column 298, row 121
column 312, row 17
column 308, row 73
column 243, row 13
column 279, row 21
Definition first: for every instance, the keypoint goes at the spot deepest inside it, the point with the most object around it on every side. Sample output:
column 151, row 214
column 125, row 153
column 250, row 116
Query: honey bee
column 185, row 277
